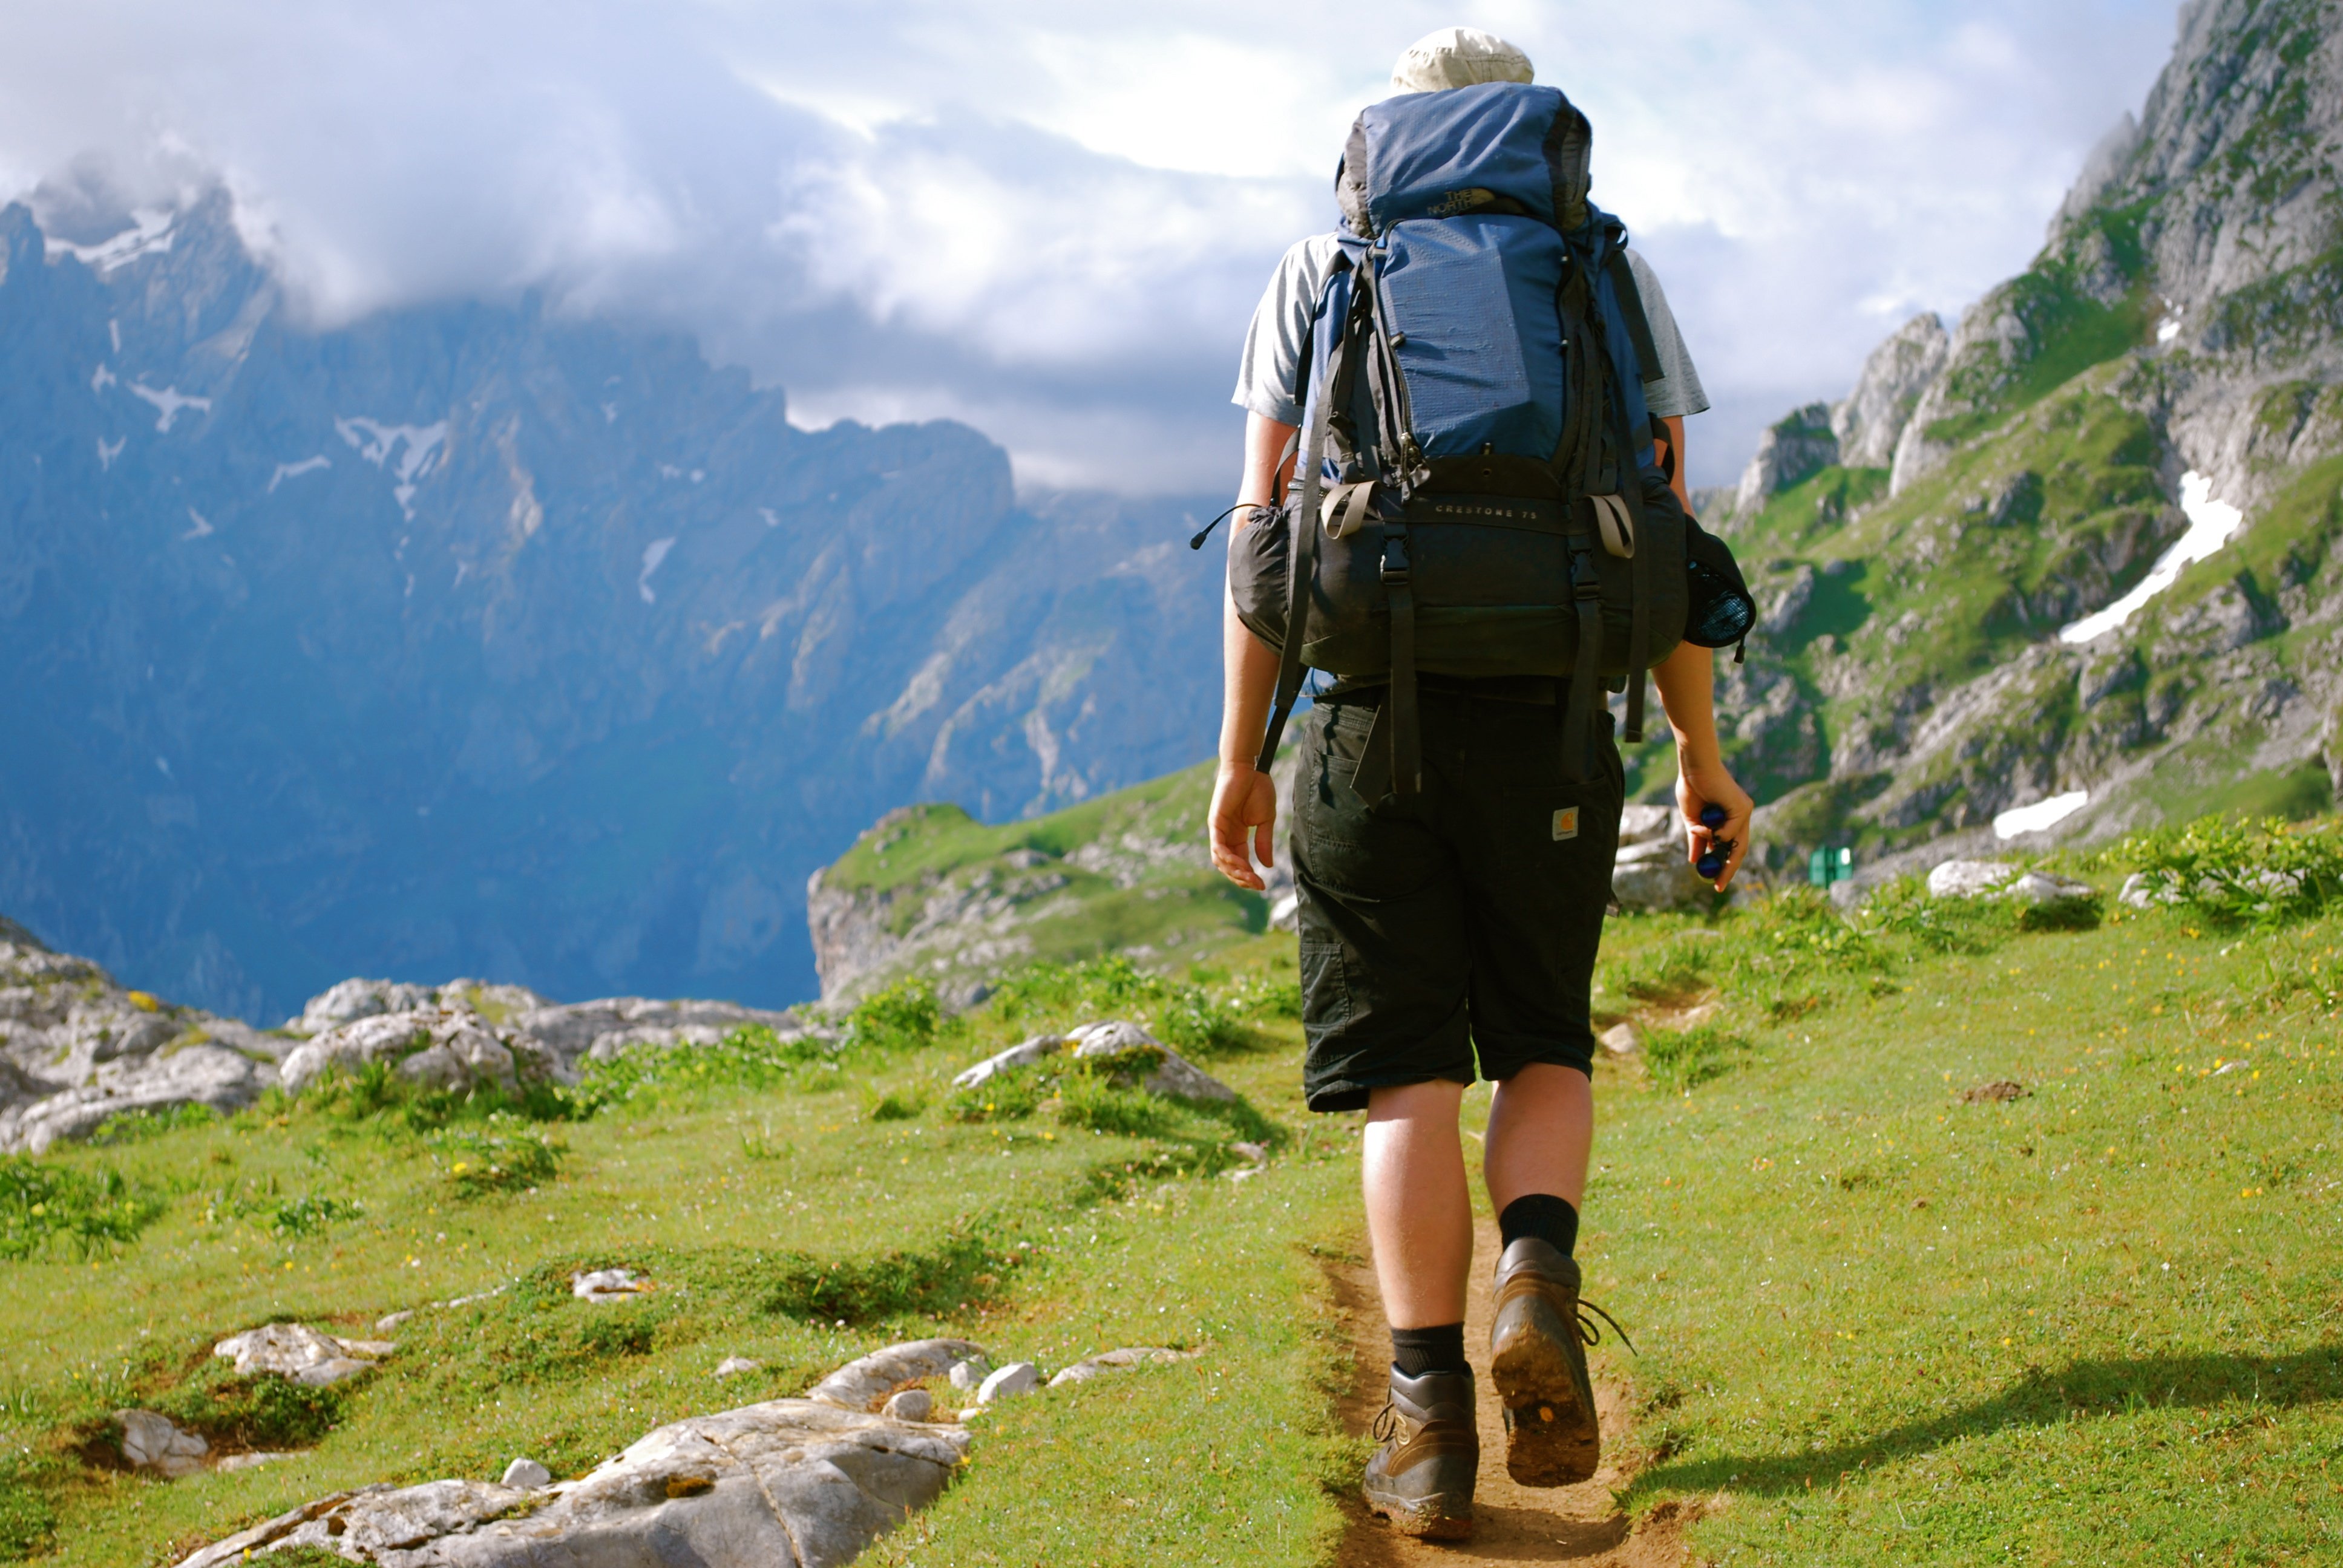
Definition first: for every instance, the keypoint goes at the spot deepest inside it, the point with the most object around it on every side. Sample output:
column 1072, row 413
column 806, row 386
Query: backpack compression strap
column 1302, row 561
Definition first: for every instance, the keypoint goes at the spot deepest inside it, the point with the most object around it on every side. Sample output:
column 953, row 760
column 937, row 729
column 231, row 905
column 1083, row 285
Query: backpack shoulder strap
column 1631, row 305
column 1301, row 536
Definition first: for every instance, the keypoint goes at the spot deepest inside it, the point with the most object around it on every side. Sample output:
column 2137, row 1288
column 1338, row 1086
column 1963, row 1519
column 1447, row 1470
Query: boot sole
column 1420, row 1525
column 1549, row 1440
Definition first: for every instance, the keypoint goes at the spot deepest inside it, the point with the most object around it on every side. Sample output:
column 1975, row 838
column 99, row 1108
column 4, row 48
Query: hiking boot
column 1537, row 1354
column 1422, row 1476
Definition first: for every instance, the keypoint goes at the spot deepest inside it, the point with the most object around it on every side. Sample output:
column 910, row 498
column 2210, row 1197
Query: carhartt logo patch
column 1565, row 824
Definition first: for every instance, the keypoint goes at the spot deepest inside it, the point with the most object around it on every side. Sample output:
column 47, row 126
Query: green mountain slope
column 1918, row 548
column 930, row 892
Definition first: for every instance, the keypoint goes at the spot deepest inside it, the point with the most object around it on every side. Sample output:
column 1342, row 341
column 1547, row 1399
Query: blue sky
column 1052, row 221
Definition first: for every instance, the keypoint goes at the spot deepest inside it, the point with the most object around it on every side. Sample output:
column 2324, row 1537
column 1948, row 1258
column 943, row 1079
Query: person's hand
column 1710, row 785
column 1244, row 802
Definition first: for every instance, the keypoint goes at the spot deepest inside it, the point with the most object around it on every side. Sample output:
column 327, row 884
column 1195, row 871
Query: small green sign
column 1824, row 866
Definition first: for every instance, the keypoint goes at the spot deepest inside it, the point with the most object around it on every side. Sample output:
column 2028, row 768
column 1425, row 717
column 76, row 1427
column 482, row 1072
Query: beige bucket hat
column 1458, row 57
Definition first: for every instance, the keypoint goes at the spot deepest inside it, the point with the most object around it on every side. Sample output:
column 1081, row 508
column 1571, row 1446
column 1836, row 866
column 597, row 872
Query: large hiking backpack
column 1476, row 493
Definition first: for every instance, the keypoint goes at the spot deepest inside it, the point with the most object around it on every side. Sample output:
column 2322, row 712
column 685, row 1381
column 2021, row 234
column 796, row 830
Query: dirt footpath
column 1511, row 1523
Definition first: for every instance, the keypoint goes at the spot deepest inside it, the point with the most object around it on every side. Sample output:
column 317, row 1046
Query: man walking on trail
column 1450, row 911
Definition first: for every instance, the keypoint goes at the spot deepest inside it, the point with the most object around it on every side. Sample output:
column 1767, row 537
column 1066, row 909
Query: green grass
column 1123, row 873
column 1876, row 1322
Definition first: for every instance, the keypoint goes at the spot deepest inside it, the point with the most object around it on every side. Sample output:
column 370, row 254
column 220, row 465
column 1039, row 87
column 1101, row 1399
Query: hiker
column 1463, row 497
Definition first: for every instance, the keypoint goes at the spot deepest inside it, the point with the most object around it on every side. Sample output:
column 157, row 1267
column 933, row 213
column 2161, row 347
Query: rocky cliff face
column 466, row 638
column 2147, row 422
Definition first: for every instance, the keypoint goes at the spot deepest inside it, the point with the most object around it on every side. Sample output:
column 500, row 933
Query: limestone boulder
column 1159, row 1069
column 867, row 1382
column 1117, row 1045
column 788, row 1483
column 301, row 1353
column 1653, row 876
column 437, row 1047
column 1969, row 878
column 1123, row 1360
column 151, row 1442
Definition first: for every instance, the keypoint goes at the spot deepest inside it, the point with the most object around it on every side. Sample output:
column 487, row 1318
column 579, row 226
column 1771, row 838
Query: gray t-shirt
column 1272, row 349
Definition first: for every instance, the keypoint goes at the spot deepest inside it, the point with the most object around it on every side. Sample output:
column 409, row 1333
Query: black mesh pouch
column 1720, row 612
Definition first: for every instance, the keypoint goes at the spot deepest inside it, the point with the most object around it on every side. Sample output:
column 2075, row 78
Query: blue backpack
column 1477, row 493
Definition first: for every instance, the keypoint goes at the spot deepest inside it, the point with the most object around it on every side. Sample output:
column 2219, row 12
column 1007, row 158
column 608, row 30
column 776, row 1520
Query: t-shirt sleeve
column 1678, row 391
column 1272, row 349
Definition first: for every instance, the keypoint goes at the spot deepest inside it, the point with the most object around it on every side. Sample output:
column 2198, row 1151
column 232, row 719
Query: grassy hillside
column 1880, row 1318
column 931, row 892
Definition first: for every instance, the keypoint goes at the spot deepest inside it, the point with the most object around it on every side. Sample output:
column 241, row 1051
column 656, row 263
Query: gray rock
column 2147, row 890
column 796, row 1483
column 1024, row 1053
column 151, row 1442
column 1871, row 420
column 1790, row 450
column 866, row 1382
column 301, row 1353
column 526, row 1476
column 1655, row 876
column 607, row 1284
column 440, row 1047
column 1257, row 1153
column 253, row 1461
column 1969, row 878
column 76, row 1049
column 2042, row 888
column 1644, row 824
column 1174, row 1075
column 1619, row 1039
column 1096, row 1366
column 351, row 999
column 734, row 1366
column 911, row 1404
column 1008, row 1381
column 969, row 1375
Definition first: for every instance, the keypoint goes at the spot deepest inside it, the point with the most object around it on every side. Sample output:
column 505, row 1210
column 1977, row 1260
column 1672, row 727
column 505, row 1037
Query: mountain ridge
column 1922, row 547
column 463, row 638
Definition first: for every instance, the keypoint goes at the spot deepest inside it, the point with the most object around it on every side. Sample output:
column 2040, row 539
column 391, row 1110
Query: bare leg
column 1541, row 1132
column 1418, row 1208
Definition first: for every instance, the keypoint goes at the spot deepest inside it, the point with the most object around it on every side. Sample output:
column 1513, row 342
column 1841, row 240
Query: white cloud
column 1056, row 222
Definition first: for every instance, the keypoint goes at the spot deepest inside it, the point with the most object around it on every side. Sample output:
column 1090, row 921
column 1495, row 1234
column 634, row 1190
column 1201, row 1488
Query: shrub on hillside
column 502, row 1157
column 1685, row 1058
column 92, row 1211
column 2240, row 873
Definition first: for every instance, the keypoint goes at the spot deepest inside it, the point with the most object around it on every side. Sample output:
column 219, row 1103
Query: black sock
column 1541, row 1215
column 1441, row 1348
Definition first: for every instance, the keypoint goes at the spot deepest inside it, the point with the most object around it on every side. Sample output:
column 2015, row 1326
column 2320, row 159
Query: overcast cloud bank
column 1055, row 231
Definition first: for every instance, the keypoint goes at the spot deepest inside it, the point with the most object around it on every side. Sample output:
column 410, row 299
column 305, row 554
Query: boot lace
column 1592, row 1335
column 1386, row 1427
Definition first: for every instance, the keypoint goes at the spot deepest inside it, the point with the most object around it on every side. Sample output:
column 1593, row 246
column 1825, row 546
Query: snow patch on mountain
column 295, row 470
column 169, row 401
column 2210, row 524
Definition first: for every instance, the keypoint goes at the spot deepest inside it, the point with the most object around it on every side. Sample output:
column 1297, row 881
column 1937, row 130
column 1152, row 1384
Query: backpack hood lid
column 1437, row 155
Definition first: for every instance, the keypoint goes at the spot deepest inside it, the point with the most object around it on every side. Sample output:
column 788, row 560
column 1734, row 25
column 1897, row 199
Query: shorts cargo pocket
column 1325, row 989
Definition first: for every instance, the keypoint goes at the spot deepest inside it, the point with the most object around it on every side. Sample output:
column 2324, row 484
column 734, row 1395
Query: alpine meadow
column 1968, row 1177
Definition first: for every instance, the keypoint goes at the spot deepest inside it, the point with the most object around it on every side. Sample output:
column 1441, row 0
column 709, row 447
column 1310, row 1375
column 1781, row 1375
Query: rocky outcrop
column 1871, row 420
column 805, row 1483
column 1118, row 1048
column 790, row 1483
column 1788, row 451
column 508, row 641
column 2174, row 353
column 301, row 1354
column 76, row 1049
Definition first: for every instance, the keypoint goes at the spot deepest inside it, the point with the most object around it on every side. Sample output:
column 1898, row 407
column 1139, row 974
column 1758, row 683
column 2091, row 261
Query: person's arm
column 1687, row 681
column 1244, row 801
column 1675, row 424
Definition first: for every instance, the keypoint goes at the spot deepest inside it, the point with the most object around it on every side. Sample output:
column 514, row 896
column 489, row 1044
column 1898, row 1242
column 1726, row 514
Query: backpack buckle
column 1585, row 582
column 1395, row 567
